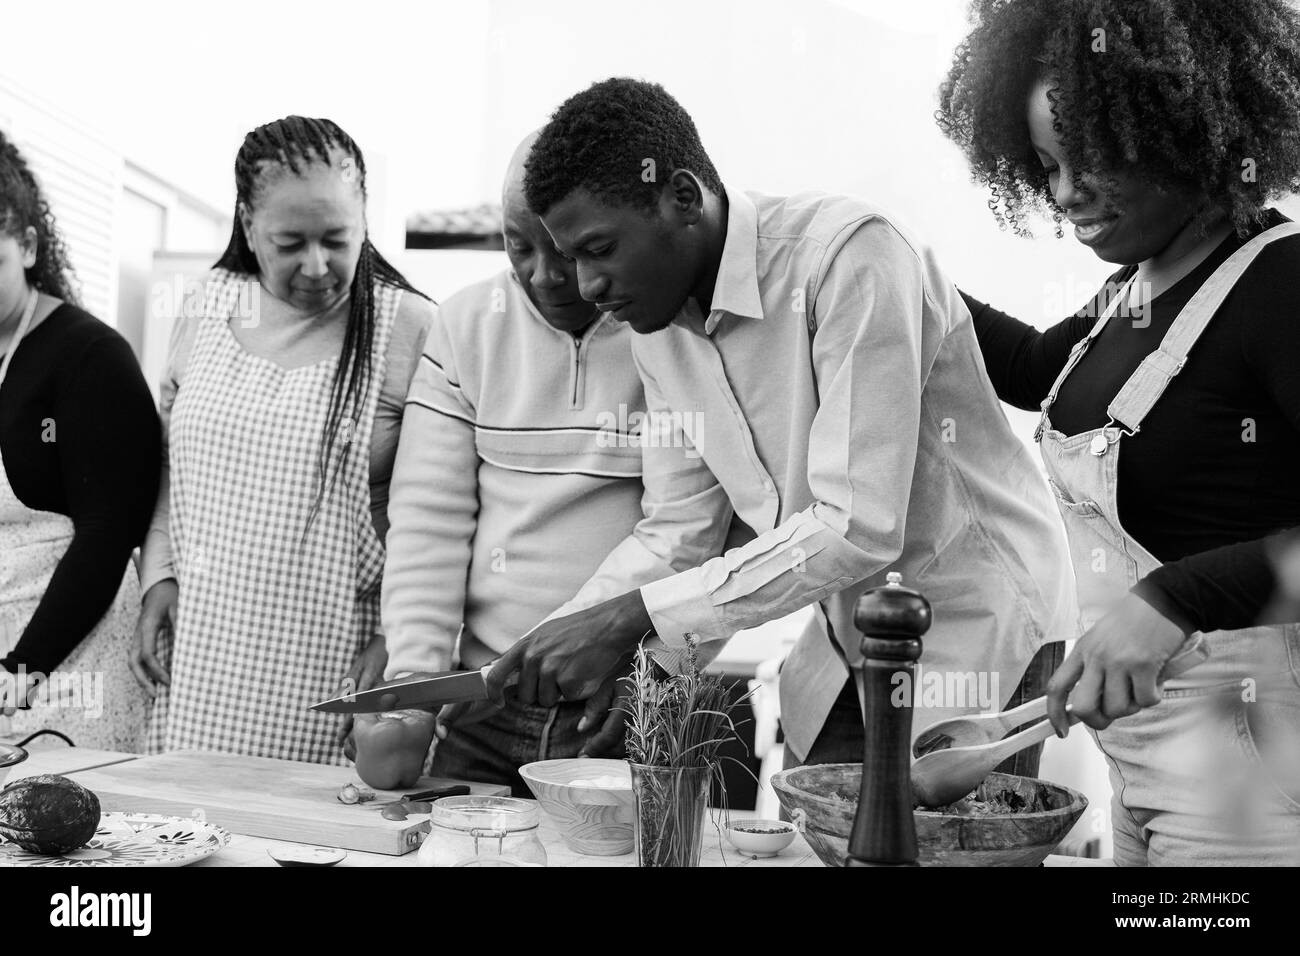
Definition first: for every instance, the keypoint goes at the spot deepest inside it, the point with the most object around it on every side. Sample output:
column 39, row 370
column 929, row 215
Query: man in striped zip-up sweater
column 512, row 483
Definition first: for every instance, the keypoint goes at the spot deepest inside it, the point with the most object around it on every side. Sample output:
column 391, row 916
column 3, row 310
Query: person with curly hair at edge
column 1170, row 430
column 812, row 366
column 79, row 448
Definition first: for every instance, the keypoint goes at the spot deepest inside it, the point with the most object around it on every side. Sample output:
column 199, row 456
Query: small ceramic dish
column 306, row 855
column 760, row 838
column 132, row 839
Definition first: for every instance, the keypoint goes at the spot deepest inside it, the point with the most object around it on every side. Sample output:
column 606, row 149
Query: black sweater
column 75, row 380
column 1215, row 470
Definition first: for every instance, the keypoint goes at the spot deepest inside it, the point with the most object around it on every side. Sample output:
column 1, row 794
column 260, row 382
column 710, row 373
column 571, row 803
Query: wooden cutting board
column 274, row 799
column 64, row 760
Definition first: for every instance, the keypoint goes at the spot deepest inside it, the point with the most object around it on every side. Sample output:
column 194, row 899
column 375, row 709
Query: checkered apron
column 268, row 621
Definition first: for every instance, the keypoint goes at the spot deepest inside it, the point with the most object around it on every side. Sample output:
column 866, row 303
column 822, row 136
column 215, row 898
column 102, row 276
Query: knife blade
column 451, row 687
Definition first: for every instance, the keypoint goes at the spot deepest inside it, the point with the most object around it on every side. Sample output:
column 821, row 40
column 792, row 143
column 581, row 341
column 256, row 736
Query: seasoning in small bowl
column 760, row 838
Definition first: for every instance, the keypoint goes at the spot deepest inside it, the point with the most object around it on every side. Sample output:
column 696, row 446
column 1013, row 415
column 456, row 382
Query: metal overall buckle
column 1101, row 443
column 1042, row 418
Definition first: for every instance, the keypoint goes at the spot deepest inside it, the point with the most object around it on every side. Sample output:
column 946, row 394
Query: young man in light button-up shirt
column 822, row 416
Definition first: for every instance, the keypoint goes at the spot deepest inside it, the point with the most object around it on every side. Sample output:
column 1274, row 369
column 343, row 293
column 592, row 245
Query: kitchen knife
column 455, row 790
column 428, row 796
column 451, row 687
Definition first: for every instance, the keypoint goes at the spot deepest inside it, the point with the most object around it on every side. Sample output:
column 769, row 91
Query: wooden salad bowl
column 824, row 799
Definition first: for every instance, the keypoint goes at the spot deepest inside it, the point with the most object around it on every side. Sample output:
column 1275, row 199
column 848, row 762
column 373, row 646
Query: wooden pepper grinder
column 892, row 619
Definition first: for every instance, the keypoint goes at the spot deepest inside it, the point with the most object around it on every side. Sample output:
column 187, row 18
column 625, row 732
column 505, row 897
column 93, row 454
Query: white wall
column 179, row 85
column 788, row 95
column 81, row 176
column 440, row 272
column 791, row 96
column 111, row 214
column 154, row 215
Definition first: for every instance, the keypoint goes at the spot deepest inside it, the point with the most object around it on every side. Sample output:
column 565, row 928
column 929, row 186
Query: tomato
column 391, row 747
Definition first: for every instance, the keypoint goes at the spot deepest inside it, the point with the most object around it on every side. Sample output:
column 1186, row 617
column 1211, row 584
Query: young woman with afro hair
column 1170, row 432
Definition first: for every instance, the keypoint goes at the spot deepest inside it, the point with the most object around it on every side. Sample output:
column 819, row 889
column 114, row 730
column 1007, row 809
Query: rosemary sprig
column 675, row 728
column 681, row 722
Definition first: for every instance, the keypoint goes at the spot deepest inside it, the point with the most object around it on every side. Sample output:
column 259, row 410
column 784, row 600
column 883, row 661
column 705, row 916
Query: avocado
column 48, row 814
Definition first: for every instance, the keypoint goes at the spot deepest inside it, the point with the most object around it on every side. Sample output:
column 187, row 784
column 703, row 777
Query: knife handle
column 458, row 790
column 486, row 669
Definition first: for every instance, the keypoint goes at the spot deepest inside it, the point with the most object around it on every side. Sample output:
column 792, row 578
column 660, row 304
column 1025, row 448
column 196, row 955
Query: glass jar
column 483, row 831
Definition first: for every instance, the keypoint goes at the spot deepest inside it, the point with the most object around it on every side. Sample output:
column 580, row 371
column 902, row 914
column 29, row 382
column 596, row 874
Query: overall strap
column 1149, row 381
column 1076, row 354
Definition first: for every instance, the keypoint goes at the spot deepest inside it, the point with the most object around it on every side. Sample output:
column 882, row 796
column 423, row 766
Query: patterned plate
column 132, row 839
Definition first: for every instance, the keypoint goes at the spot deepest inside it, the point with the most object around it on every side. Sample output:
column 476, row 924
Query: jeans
column 493, row 749
column 1210, row 776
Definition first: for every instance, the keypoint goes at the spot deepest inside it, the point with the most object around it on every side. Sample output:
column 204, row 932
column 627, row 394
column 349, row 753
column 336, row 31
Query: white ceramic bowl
column 593, row 820
column 755, row 837
column 10, row 757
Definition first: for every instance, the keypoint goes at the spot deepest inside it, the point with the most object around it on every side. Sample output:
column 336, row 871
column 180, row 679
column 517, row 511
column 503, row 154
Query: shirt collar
column 523, row 294
column 736, row 290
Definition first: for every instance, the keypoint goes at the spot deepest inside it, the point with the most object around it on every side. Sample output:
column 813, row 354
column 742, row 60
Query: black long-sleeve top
column 1214, row 473
column 76, row 381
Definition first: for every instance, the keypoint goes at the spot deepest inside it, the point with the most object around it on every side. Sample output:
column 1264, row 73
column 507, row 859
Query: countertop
column 252, row 851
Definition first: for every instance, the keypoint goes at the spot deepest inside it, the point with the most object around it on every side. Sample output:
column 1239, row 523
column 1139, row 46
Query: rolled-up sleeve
column 687, row 513
column 869, row 309
column 687, row 517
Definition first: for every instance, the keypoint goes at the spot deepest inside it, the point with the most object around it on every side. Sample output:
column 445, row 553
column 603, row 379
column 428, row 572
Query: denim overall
column 1189, row 784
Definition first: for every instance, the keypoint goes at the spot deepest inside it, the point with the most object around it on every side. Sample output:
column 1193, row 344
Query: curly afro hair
column 1201, row 95
column 23, row 206
column 599, row 140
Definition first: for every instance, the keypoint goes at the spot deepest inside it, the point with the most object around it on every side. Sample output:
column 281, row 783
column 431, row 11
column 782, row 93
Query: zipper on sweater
column 578, row 396
column 577, row 374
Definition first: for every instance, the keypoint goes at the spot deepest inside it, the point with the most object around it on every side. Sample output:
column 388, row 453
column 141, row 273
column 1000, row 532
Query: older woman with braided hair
column 78, row 475
column 282, row 403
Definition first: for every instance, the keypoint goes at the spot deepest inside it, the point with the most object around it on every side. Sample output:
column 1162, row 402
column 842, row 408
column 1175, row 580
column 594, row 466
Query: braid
column 292, row 144
column 352, row 377
column 23, row 206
